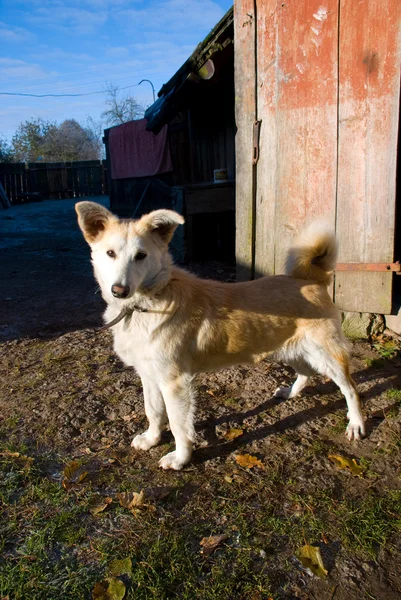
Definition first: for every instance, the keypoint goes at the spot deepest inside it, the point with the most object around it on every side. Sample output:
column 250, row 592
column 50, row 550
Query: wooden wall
column 324, row 80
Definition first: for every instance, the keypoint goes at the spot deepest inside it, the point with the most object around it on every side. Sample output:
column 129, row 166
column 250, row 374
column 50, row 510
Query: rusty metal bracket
column 370, row 267
column 256, row 134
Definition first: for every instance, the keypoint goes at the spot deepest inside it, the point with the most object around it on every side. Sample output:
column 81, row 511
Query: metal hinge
column 370, row 267
column 255, row 149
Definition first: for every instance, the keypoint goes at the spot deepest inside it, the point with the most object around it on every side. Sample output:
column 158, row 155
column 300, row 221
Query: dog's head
column 127, row 255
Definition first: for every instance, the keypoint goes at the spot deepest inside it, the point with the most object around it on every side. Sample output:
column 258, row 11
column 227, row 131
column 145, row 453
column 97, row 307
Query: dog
column 170, row 325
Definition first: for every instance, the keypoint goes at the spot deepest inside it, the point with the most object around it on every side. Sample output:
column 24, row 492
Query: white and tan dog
column 170, row 325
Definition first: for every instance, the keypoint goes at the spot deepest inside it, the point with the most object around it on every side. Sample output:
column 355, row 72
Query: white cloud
column 117, row 51
column 174, row 15
column 50, row 54
column 11, row 34
column 14, row 70
column 68, row 18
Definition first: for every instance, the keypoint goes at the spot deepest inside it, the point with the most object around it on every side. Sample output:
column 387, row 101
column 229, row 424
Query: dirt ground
column 69, row 409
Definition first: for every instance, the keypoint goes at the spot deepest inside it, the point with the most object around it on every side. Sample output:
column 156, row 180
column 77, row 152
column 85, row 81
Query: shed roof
column 166, row 106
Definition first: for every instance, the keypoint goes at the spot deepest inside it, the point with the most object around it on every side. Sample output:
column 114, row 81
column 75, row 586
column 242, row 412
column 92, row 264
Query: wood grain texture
column 245, row 115
column 369, row 82
column 297, row 102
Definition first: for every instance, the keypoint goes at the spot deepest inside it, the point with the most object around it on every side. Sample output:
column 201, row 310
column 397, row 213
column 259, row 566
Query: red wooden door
column 323, row 78
column 369, row 101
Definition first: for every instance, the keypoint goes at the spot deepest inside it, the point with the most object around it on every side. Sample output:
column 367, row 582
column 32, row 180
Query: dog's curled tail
column 314, row 254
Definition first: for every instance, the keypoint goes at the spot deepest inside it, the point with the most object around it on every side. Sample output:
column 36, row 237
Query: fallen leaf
column 311, row 558
column 17, row 455
column 73, row 474
column 130, row 417
column 10, row 454
column 98, row 504
column 131, row 500
column 228, row 479
column 350, row 465
column 231, row 434
column 248, row 461
column 109, row 589
column 120, row 566
column 209, row 544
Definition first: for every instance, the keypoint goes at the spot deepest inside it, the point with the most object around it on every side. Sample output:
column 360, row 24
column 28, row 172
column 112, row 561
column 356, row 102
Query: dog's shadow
column 218, row 448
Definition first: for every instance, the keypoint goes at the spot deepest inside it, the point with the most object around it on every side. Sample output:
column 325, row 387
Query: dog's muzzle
column 120, row 291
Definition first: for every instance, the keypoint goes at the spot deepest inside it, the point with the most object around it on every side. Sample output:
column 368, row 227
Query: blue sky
column 78, row 46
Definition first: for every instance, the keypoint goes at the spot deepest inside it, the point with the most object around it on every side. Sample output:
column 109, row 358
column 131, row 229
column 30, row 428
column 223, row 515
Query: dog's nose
column 120, row 291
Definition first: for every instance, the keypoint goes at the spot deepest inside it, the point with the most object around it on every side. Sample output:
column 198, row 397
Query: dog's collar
column 126, row 311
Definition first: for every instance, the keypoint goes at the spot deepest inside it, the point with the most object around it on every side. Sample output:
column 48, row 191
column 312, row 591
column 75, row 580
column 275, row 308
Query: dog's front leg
column 156, row 413
column 178, row 396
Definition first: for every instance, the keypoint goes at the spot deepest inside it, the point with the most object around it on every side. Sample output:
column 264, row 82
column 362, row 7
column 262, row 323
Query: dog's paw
column 145, row 441
column 355, row 430
column 171, row 461
column 283, row 392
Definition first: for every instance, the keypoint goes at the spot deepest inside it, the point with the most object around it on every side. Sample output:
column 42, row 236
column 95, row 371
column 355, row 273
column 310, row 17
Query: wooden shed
column 197, row 107
column 317, row 110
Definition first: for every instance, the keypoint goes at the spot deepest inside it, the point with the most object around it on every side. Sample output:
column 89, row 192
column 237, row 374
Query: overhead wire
column 63, row 95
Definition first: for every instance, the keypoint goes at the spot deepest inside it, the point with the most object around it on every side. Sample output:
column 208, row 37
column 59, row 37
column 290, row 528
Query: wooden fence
column 32, row 181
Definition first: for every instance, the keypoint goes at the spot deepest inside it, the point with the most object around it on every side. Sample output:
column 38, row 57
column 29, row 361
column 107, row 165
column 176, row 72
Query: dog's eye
column 111, row 253
column 140, row 256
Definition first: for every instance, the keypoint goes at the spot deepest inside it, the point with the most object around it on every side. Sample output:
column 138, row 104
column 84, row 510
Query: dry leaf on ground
column 311, row 558
column 132, row 500
column 109, row 589
column 209, row 544
column 10, row 454
column 232, row 434
column 73, row 473
column 120, row 566
column 98, row 504
column 22, row 458
column 18, row 456
column 249, row 461
column 349, row 464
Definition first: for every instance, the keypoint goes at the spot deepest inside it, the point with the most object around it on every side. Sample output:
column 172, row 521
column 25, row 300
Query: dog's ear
column 161, row 222
column 92, row 219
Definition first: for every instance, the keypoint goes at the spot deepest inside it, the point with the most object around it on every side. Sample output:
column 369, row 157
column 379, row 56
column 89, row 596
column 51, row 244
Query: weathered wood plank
column 297, row 103
column 369, row 82
column 245, row 115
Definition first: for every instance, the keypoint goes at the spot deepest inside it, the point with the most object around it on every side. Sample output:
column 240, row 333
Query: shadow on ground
column 46, row 285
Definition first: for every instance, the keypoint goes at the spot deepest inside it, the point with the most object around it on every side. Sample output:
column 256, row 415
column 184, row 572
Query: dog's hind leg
column 156, row 413
column 179, row 398
column 294, row 389
column 303, row 371
column 335, row 364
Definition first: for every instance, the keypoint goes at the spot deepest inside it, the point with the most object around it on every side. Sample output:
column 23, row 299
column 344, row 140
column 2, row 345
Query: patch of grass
column 317, row 447
column 394, row 394
column 340, row 422
column 40, row 526
column 387, row 348
column 375, row 363
column 368, row 523
column 229, row 401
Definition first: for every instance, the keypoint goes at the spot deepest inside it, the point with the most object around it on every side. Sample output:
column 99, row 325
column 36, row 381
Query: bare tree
column 120, row 108
column 96, row 128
